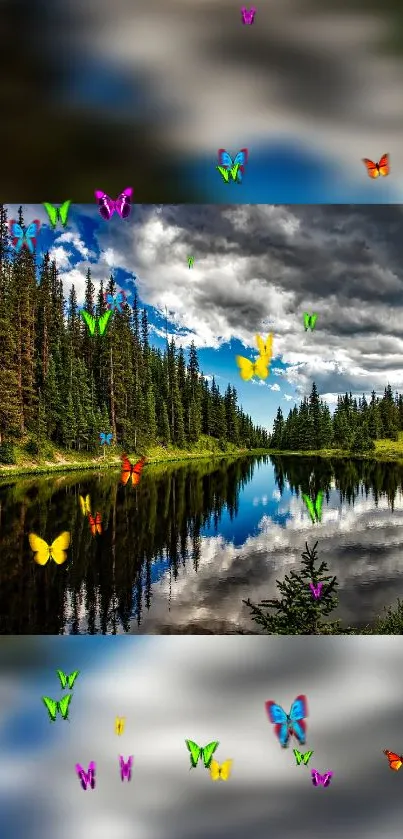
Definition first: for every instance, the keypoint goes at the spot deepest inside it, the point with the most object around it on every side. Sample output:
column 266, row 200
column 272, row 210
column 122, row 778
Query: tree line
column 354, row 426
column 60, row 385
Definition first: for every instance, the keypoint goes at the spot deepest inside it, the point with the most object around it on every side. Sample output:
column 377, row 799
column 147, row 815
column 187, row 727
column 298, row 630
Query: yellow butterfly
column 248, row 369
column 120, row 725
column 220, row 771
column 85, row 504
column 56, row 551
column 265, row 349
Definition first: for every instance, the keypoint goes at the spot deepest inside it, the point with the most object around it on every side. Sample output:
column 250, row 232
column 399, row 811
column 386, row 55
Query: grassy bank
column 53, row 459
column 385, row 450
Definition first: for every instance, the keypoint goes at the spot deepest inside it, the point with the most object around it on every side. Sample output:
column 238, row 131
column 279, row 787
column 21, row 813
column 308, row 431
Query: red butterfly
column 395, row 761
column 95, row 523
column 376, row 169
column 130, row 471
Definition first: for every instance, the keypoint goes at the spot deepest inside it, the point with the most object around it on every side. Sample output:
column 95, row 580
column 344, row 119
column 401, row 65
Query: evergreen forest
column 59, row 385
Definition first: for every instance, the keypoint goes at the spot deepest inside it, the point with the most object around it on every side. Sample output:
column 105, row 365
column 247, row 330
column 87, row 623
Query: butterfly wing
column 119, row 301
column 195, row 752
column 109, row 438
column 395, row 761
column 383, row 165
column 85, row 504
column 71, row 679
column 315, row 777
column 265, row 347
column 31, row 234
column 242, row 159
column 103, row 321
column 312, row 320
column 208, row 751
column 40, row 549
column 63, row 678
column 310, row 507
column 236, row 173
column 225, row 770
column 17, row 234
column 372, row 168
column 262, row 367
column 89, row 320
column 98, row 523
column 123, row 203
column 225, row 159
column 119, row 725
column 63, row 706
column 306, row 321
column 306, row 757
column 136, row 471
column 214, row 770
column 58, row 548
column 64, row 212
column 326, row 778
column 318, row 504
column 106, row 205
column 126, row 470
column 52, row 213
column 299, row 708
column 275, row 712
column 224, row 172
column 298, row 757
column 246, row 367
column 51, row 707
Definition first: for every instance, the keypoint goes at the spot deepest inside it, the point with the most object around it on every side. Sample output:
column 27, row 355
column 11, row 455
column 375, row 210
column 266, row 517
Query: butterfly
column 220, row 771
column 376, row 169
column 265, row 347
column 204, row 753
column 54, row 707
column 57, row 213
column 105, row 439
column 130, row 471
column 56, row 551
column 67, row 681
column 318, row 779
column 24, row 238
column 225, row 173
column 85, row 504
column 126, row 767
column 226, row 162
column 300, row 758
column 95, row 523
column 309, row 321
column 87, row 779
column 248, row 369
column 314, row 507
column 395, row 761
column 115, row 302
column 91, row 322
column 107, row 206
column 316, row 590
column 120, row 725
column 287, row 724
column 248, row 16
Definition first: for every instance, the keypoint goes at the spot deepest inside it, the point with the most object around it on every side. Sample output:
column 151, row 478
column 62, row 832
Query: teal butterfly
column 309, row 321
column 300, row 758
column 204, row 753
column 57, row 213
column 314, row 507
column 92, row 323
column 233, row 171
column 61, row 707
column 67, row 681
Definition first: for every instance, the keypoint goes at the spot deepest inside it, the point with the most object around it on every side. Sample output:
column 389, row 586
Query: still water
column 180, row 552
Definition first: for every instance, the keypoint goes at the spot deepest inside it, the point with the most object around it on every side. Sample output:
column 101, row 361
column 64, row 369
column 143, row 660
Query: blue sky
column 257, row 268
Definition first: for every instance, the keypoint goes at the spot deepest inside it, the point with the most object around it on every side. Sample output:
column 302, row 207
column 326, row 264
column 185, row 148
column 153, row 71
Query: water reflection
column 181, row 551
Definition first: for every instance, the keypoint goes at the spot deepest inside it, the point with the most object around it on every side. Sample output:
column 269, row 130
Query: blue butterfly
column 115, row 302
column 105, row 438
column 287, row 724
column 24, row 238
column 225, row 160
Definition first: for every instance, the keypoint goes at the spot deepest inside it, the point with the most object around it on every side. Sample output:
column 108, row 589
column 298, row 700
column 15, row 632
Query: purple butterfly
column 318, row 779
column 115, row 302
column 122, row 205
column 248, row 17
column 316, row 590
column 86, row 778
column 126, row 767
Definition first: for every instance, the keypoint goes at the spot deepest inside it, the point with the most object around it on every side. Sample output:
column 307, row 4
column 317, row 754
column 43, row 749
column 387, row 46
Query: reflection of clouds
column 263, row 501
column 172, row 689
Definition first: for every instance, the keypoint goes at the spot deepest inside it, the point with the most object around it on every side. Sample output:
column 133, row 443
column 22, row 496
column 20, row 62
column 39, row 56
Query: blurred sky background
column 201, row 688
column 107, row 95
column 256, row 270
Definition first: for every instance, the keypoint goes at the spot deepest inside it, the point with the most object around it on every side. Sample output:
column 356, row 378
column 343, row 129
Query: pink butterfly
column 122, row 205
column 316, row 590
column 126, row 767
column 86, row 778
column 248, row 16
column 318, row 779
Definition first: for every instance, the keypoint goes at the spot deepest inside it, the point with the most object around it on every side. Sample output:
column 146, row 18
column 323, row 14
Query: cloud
column 275, row 387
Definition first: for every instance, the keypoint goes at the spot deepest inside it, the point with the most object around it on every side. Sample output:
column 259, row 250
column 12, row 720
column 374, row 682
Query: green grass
column 385, row 450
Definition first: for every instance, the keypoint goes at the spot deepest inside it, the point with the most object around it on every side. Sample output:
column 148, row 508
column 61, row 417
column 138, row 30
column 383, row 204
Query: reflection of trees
column 106, row 581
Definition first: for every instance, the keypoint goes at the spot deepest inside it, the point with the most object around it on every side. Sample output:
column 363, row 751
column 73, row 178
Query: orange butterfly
column 395, row 761
column 376, row 169
column 95, row 523
column 130, row 471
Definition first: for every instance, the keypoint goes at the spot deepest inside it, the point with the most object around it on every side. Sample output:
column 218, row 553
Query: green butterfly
column 309, row 321
column 53, row 707
column 201, row 753
column 302, row 758
column 314, row 507
column 92, row 322
column 67, row 681
column 57, row 213
column 227, row 172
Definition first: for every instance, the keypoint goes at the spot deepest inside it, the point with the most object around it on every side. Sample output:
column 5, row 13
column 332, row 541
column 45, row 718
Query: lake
column 180, row 552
